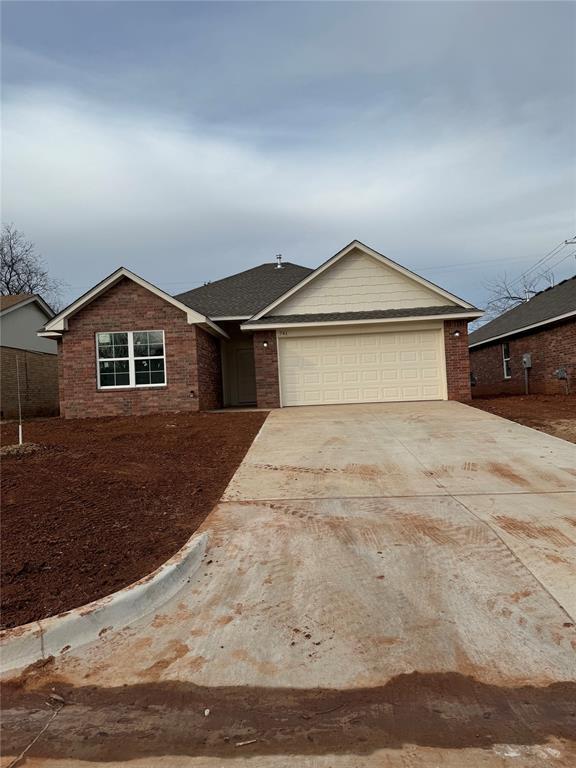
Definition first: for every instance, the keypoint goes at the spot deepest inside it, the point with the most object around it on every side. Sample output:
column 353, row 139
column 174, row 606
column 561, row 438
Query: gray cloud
column 189, row 140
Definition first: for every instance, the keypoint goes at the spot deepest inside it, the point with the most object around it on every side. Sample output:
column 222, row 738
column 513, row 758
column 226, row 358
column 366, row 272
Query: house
column 531, row 348
column 23, row 353
column 359, row 328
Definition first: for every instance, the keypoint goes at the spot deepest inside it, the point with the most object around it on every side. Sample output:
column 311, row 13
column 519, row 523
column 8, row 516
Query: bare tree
column 505, row 293
column 23, row 270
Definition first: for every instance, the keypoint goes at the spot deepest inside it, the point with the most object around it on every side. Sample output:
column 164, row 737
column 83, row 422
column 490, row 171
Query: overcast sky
column 190, row 140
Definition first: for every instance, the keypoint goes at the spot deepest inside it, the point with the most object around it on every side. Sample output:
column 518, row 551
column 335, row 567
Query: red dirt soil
column 106, row 501
column 554, row 414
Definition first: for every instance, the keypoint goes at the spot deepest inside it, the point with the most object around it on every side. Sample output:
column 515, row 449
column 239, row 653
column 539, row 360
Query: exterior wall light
column 456, row 333
column 265, row 344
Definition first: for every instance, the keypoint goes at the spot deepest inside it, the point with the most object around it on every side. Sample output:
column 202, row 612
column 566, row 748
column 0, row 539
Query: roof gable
column 546, row 307
column 59, row 323
column 17, row 301
column 358, row 278
column 241, row 295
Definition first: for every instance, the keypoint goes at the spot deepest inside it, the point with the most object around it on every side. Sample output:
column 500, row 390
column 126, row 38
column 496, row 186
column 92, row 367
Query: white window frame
column 506, row 364
column 131, row 361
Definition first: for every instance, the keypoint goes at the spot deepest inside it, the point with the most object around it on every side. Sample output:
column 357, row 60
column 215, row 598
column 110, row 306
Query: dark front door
column 245, row 376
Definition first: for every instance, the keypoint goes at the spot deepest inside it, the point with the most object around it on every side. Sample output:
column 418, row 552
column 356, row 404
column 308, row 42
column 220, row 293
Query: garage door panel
column 370, row 367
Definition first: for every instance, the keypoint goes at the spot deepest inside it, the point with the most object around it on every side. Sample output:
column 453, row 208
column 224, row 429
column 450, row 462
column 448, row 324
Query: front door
column 245, row 376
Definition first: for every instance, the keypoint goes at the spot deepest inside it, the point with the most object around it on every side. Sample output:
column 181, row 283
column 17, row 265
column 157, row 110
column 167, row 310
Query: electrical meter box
column 527, row 360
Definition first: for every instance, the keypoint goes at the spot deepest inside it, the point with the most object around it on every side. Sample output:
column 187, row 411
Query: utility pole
column 19, row 402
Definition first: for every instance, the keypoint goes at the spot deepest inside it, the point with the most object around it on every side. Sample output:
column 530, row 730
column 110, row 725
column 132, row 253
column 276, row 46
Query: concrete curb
column 28, row 643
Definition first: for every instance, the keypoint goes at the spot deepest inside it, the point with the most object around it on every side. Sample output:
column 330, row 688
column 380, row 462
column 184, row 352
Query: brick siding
column 38, row 372
column 209, row 370
column 457, row 359
column 551, row 348
column 129, row 307
column 266, row 366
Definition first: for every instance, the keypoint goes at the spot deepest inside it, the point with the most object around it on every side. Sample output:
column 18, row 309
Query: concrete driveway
column 385, row 585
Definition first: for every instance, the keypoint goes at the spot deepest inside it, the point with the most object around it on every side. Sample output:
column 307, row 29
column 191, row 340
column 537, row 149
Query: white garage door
column 362, row 368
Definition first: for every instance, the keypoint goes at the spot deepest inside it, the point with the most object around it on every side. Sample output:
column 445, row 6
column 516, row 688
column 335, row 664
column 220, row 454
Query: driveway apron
column 384, row 585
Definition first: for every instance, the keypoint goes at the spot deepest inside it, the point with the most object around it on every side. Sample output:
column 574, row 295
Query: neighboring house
column 544, row 329
column 21, row 317
column 358, row 329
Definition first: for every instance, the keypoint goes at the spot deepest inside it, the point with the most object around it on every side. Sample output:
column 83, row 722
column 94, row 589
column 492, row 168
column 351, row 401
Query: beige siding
column 358, row 283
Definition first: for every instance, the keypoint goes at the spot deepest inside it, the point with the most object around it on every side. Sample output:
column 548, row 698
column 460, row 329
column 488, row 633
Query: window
column 131, row 359
column 149, row 357
column 506, row 360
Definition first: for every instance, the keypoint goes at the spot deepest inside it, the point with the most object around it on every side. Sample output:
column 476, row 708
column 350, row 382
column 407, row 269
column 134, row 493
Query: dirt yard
column 96, row 504
column 555, row 414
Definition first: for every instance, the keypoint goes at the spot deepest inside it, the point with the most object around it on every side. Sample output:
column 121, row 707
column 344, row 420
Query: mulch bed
column 554, row 414
column 99, row 503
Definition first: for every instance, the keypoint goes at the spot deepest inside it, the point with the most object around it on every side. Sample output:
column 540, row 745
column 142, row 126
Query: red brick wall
column 457, row 359
column 551, row 348
column 266, row 365
column 129, row 307
column 209, row 370
column 38, row 373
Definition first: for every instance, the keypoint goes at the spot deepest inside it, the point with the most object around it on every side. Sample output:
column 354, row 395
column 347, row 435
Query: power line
column 563, row 259
column 459, row 265
column 540, row 263
column 468, row 265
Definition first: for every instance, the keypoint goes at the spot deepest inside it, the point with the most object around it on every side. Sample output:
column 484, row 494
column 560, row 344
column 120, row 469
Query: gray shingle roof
column 543, row 307
column 375, row 314
column 243, row 294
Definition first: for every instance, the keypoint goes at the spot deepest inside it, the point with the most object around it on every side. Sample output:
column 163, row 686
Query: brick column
column 266, row 365
column 457, row 359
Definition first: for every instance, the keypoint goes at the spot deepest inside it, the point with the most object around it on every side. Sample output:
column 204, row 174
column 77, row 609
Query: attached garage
column 361, row 329
column 347, row 365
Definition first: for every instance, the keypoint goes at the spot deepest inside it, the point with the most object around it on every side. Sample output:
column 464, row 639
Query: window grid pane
column 149, row 371
column 506, row 360
column 114, row 373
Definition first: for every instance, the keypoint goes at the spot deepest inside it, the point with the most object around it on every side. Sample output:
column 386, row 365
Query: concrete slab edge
column 23, row 645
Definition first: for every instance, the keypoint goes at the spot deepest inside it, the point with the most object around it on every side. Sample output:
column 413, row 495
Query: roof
column 59, row 323
column 376, row 314
column 8, row 303
column 548, row 306
column 356, row 244
column 243, row 294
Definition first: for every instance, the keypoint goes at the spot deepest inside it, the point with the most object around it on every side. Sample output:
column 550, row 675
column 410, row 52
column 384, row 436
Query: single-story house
column 531, row 348
column 359, row 328
column 26, row 359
